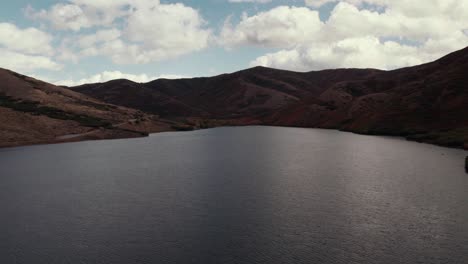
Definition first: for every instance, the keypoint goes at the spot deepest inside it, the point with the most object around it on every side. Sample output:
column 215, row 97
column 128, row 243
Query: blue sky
column 75, row 41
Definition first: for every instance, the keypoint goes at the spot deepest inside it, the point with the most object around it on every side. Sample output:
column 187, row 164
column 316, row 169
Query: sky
column 71, row 42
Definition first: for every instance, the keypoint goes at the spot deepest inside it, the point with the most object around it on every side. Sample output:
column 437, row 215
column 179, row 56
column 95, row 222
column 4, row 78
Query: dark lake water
column 234, row 195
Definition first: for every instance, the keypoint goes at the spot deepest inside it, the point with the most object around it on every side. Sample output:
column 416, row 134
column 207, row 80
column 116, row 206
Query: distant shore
column 110, row 134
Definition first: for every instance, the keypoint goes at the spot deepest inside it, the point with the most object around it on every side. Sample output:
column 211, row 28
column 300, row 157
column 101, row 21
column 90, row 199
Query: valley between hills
column 426, row 103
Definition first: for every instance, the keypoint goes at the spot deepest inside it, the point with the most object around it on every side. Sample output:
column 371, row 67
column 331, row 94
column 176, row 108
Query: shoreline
column 129, row 134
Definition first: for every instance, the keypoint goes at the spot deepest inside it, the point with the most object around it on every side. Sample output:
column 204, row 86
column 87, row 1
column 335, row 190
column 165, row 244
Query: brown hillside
column 426, row 102
column 32, row 111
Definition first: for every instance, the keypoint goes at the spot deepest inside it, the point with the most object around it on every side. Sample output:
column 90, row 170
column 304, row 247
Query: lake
column 234, row 195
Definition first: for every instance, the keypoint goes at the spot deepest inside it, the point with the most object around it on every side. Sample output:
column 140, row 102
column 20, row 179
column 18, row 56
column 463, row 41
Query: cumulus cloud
column 113, row 75
column 87, row 41
column 20, row 62
column 166, row 31
column 279, row 27
column 29, row 40
column 25, row 50
column 365, row 52
column 135, row 31
column 383, row 34
column 348, row 20
column 79, row 14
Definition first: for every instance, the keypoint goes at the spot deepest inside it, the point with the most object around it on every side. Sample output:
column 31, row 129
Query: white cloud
column 25, row 50
column 79, row 14
column 165, row 31
column 30, row 40
column 279, row 27
column 63, row 16
column 135, row 31
column 100, row 36
column 347, row 20
column 113, row 75
column 365, row 52
column 383, row 34
column 26, row 63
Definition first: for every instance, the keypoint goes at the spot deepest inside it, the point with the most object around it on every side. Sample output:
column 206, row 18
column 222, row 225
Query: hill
column 32, row 112
column 424, row 103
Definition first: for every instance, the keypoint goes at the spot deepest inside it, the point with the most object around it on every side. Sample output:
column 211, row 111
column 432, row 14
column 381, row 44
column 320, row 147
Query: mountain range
column 427, row 103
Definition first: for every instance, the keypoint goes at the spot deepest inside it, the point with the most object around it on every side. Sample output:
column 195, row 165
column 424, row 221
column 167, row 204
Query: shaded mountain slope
column 32, row 111
column 252, row 93
column 426, row 102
